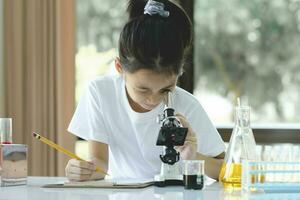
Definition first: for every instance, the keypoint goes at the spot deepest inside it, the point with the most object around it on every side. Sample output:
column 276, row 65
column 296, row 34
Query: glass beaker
column 193, row 174
column 241, row 146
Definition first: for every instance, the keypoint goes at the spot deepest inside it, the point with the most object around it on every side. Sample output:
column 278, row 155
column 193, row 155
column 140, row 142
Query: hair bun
column 136, row 8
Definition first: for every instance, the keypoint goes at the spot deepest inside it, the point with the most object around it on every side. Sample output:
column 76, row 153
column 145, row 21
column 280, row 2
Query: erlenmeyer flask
column 241, row 146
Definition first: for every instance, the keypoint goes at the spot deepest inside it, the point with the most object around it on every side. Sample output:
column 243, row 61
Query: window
column 241, row 48
column 248, row 49
column 99, row 24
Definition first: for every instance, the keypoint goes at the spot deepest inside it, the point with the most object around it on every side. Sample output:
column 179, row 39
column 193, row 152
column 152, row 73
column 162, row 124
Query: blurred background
column 49, row 49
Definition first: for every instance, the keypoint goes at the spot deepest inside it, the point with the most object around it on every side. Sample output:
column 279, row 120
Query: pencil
column 63, row 150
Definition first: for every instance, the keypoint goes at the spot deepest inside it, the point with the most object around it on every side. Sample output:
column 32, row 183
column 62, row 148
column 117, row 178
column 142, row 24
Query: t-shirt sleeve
column 209, row 140
column 88, row 119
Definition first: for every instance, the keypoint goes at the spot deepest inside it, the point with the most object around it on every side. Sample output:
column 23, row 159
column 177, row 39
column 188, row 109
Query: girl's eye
column 165, row 91
column 142, row 91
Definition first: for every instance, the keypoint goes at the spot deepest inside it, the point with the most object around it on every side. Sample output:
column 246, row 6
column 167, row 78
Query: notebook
column 107, row 183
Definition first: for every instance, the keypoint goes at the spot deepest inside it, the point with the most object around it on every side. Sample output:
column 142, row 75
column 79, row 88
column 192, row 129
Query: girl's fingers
column 79, row 177
column 182, row 120
column 187, row 144
column 185, row 123
column 191, row 138
column 179, row 148
column 82, row 164
column 78, row 170
column 191, row 144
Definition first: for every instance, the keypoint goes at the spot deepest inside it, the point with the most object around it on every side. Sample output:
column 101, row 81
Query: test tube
column 5, row 130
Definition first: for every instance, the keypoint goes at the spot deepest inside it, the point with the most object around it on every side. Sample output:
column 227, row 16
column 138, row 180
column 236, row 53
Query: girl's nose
column 153, row 100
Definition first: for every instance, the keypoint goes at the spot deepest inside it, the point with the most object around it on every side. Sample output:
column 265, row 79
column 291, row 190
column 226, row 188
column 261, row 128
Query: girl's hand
column 189, row 150
column 77, row 170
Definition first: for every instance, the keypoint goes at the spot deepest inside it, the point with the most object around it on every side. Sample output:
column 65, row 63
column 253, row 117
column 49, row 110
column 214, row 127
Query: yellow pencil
column 63, row 150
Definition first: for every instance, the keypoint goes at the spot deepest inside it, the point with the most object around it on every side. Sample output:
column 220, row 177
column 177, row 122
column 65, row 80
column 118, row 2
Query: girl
column 117, row 114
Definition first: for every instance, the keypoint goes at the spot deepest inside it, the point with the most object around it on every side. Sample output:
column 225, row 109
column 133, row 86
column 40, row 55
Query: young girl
column 117, row 114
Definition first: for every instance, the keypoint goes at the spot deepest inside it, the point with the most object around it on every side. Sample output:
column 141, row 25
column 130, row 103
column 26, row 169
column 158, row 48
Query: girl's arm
column 212, row 165
column 98, row 154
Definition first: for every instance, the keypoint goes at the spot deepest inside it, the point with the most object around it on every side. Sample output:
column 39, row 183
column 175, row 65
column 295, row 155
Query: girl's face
column 146, row 88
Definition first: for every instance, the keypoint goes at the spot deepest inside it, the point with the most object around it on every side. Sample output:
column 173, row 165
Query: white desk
column 33, row 191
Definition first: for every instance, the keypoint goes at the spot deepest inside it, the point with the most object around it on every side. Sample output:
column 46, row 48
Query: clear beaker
column 242, row 146
column 193, row 174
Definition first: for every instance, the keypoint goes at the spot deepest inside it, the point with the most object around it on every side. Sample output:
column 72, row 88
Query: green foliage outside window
column 250, row 48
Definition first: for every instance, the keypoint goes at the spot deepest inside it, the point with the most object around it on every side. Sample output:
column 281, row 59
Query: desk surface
column 33, row 191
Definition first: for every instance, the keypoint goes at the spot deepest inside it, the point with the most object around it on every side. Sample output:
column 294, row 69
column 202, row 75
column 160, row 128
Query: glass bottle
column 241, row 146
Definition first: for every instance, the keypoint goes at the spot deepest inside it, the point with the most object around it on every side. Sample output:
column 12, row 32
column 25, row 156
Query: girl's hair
column 153, row 41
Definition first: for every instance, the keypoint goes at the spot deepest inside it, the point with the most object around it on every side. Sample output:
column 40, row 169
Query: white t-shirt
column 104, row 114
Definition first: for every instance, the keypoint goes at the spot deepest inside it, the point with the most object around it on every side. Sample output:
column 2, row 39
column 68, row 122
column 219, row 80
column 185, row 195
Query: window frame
column 267, row 135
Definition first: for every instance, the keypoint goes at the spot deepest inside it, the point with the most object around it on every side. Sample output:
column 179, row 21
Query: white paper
column 111, row 182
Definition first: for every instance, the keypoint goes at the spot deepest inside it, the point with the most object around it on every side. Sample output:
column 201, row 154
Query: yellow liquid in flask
column 230, row 175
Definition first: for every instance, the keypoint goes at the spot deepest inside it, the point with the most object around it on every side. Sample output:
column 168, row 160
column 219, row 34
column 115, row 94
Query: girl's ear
column 118, row 65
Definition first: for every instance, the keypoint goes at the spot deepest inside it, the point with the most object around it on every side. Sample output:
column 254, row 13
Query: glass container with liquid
column 193, row 174
column 241, row 146
column 5, row 131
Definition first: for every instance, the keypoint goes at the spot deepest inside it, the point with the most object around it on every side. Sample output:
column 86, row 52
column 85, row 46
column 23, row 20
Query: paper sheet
column 111, row 183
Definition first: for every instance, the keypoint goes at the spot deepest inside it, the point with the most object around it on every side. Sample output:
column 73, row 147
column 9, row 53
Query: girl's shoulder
column 105, row 80
column 182, row 96
column 186, row 103
column 105, row 85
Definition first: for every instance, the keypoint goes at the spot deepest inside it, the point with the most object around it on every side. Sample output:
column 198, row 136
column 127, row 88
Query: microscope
column 171, row 134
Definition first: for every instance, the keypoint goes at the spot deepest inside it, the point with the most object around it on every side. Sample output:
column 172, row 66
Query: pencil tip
column 34, row 134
